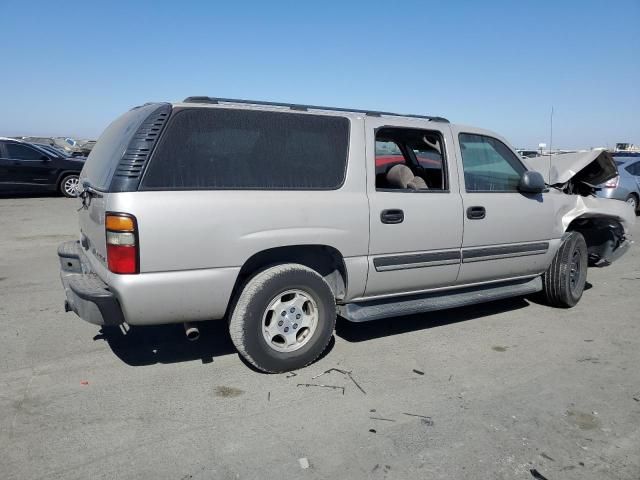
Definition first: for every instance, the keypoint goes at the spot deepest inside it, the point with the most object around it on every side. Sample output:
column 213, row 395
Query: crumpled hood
column 593, row 168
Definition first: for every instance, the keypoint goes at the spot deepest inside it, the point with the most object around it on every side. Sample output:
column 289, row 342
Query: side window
column 22, row 152
column 409, row 159
column 206, row 148
column 633, row 169
column 489, row 165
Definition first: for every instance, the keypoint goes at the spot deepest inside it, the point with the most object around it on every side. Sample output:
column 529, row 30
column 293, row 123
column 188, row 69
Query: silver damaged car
column 277, row 218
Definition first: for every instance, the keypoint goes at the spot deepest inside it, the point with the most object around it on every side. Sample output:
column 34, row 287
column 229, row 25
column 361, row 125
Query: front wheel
column 564, row 280
column 284, row 318
column 69, row 186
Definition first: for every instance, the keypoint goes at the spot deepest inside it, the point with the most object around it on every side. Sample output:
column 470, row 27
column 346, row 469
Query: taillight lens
column 122, row 243
column 613, row 183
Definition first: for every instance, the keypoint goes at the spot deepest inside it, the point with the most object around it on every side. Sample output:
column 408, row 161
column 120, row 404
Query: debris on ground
column 304, row 463
column 415, row 415
column 536, row 474
column 84, row 382
column 269, row 397
column 290, row 374
column 381, row 418
column 372, row 430
column 356, row 383
column 335, row 387
column 426, row 420
column 346, row 373
column 419, row 372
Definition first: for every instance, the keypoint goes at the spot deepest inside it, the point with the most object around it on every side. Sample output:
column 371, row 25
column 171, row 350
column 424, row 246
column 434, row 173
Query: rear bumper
column 618, row 193
column 87, row 295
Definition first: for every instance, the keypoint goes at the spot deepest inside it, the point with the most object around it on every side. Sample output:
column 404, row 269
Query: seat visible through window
column 408, row 158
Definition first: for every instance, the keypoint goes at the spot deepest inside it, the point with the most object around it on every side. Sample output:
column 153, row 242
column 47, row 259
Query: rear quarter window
column 107, row 152
column 207, row 148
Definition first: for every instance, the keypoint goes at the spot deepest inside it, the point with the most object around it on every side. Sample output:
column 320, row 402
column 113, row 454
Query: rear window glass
column 206, row 148
column 107, row 152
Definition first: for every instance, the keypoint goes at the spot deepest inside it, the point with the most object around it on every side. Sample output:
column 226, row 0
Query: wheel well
column 64, row 174
column 325, row 260
column 602, row 234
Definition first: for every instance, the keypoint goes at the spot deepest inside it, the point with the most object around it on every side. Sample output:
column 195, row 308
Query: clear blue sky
column 70, row 68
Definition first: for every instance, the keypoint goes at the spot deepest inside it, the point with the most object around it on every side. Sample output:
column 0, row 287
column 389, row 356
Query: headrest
column 399, row 176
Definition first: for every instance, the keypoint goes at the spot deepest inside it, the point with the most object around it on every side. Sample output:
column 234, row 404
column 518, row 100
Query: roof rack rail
column 295, row 106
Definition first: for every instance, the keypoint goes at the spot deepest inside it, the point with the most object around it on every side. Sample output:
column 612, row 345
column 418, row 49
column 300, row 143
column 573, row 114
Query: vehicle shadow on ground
column 141, row 346
column 150, row 345
column 360, row 332
column 167, row 343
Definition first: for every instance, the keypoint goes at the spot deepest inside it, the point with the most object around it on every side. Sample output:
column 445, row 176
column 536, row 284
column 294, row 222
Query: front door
column 507, row 234
column 415, row 206
column 27, row 167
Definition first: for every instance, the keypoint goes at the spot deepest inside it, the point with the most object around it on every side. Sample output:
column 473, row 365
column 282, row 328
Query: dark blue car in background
column 30, row 168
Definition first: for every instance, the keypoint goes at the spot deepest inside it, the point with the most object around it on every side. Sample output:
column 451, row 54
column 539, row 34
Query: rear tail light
column 122, row 243
column 613, row 183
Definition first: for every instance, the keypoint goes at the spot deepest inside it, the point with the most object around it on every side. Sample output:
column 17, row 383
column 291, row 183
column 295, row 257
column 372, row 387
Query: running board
column 428, row 302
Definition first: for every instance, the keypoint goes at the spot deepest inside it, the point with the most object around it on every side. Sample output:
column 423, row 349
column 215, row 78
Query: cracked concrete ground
column 487, row 392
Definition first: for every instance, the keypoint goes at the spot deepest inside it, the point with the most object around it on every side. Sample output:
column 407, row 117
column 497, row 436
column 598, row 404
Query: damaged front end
column 604, row 223
column 605, row 236
column 577, row 173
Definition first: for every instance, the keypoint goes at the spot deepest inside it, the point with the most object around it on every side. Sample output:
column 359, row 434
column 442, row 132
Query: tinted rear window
column 107, row 152
column 206, row 148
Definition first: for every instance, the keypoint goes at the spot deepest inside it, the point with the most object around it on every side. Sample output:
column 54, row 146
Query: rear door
column 27, row 168
column 506, row 233
column 415, row 234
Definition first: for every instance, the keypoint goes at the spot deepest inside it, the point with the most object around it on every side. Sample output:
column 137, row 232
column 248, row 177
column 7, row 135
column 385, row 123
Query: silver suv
column 278, row 217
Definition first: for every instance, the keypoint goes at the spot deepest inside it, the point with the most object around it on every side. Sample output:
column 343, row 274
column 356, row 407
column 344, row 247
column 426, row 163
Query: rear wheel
column 69, row 186
column 564, row 280
column 284, row 318
column 633, row 201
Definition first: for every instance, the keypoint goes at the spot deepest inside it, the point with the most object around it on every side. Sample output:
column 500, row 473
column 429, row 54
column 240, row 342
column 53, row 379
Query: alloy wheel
column 290, row 320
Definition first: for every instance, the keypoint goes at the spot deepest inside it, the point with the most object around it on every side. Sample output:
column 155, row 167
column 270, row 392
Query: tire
column 633, row 201
column 270, row 303
column 68, row 186
column 564, row 280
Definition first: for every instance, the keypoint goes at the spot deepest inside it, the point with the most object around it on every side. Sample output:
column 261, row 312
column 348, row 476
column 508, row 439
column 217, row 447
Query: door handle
column 392, row 216
column 476, row 213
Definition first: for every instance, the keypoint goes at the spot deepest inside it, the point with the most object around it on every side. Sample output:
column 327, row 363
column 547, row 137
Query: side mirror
column 532, row 182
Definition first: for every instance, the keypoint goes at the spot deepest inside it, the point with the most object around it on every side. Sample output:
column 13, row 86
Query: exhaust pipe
column 191, row 331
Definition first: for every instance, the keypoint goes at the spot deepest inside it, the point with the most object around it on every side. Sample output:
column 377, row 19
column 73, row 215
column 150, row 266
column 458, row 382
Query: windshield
column 54, row 151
